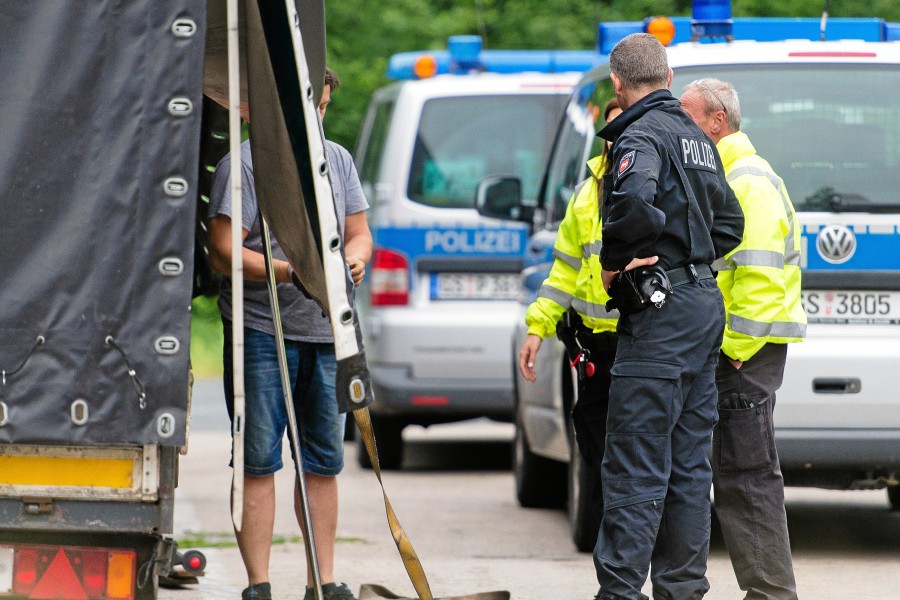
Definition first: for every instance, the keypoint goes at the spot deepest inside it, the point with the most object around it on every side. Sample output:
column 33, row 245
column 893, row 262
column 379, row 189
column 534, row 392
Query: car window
column 371, row 148
column 461, row 140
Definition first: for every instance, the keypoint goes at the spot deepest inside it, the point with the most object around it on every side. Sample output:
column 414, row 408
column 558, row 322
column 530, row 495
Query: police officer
column 760, row 280
column 665, row 197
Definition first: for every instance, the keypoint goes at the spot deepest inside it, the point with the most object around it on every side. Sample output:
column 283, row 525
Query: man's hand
column 607, row 276
column 527, row 355
column 735, row 363
column 357, row 270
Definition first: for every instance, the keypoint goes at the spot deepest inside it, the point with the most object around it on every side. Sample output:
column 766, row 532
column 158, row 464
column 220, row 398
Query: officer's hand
column 527, row 355
column 607, row 276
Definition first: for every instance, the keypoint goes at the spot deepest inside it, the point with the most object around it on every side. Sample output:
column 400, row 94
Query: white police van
column 826, row 116
column 438, row 306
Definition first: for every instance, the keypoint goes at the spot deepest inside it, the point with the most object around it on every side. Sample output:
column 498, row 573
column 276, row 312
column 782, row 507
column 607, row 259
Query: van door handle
column 837, row 385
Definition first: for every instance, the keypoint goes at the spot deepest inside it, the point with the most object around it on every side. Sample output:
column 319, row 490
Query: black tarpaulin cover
column 100, row 105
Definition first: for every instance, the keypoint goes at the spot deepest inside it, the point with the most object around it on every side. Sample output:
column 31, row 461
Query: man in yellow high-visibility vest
column 760, row 282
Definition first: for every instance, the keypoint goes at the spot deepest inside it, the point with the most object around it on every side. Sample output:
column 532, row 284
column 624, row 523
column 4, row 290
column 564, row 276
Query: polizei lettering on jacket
column 473, row 241
column 697, row 153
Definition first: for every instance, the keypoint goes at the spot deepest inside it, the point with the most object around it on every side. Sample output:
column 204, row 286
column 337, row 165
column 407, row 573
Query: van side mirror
column 500, row 196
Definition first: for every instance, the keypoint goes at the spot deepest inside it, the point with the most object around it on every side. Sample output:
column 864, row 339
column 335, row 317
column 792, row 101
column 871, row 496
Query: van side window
column 371, row 148
column 461, row 140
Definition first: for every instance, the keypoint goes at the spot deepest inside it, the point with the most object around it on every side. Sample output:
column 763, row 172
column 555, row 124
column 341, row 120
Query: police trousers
column 656, row 471
column 747, row 484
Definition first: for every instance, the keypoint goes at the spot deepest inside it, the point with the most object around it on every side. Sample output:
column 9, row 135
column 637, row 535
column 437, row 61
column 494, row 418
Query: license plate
column 474, row 286
column 852, row 307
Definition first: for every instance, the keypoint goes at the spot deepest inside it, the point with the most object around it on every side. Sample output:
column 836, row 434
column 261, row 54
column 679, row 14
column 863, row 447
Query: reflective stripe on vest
column 791, row 256
column 759, row 329
column 572, row 261
column 592, row 310
column 562, row 298
column 757, row 258
column 592, row 249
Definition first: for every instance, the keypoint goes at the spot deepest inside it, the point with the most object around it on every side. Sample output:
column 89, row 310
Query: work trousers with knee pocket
column 748, row 487
column 656, row 471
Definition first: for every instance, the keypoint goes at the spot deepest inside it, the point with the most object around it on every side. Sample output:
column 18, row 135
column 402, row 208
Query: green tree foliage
column 363, row 34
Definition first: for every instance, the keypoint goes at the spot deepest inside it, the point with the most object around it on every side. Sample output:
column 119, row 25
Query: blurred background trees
column 363, row 34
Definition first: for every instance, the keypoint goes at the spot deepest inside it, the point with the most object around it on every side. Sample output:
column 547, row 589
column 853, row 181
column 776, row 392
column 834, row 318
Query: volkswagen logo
column 836, row 244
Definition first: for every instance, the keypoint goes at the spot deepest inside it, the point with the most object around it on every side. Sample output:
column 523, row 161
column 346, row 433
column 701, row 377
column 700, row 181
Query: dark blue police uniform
column 665, row 195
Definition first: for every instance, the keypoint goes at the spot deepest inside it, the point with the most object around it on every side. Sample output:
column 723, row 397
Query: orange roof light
column 662, row 28
column 425, row 66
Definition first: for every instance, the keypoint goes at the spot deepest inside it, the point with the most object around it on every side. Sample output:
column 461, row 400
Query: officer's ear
column 617, row 84
column 669, row 84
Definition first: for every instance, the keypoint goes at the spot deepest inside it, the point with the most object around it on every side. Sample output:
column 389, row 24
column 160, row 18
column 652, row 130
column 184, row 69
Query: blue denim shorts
column 312, row 368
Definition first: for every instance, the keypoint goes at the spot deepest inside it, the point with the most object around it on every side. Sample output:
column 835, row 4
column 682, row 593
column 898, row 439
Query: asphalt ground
column 455, row 497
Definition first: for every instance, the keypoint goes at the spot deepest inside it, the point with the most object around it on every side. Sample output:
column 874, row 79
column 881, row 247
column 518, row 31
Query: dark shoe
column 257, row 591
column 331, row 591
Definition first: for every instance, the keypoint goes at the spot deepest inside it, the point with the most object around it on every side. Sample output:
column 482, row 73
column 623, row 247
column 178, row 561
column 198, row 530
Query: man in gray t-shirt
column 309, row 346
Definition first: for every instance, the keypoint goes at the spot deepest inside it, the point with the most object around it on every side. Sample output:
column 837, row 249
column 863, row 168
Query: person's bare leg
column 323, row 508
column 255, row 537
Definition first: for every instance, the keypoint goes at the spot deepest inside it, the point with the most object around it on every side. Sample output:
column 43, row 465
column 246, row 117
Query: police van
column 439, row 301
column 825, row 115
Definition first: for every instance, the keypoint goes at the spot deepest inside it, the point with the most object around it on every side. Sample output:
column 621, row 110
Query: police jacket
column 760, row 279
column 666, row 193
column 574, row 278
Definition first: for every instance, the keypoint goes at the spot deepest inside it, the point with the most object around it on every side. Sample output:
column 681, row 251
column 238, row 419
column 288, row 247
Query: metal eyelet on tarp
column 176, row 187
column 184, row 28
column 180, row 107
column 167, row 344
column 79, row 411
column 4, row 414
column 165, row 425
column 171, row 266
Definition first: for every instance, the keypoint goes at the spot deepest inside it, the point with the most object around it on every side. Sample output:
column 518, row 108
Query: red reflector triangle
column 59, row 581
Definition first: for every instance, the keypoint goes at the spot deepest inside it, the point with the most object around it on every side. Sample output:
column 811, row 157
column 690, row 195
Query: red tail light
column 389, row 278
column 26, row 574
column 73, row 573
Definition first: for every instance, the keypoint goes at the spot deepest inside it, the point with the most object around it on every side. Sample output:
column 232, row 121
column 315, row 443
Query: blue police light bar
column 892, row 32
column 711, row 19
column 401, row 66
column 609, row 34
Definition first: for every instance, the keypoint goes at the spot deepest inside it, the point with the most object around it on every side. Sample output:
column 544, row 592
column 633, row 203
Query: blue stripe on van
column 873, row 252
column 454, row 241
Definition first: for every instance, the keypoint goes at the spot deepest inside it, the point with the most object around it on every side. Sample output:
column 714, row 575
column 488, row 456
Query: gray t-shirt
column 302, row 319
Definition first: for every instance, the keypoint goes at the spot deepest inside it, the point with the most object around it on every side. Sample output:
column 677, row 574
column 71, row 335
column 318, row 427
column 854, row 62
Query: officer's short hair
column 717, row 95
column 640, row 61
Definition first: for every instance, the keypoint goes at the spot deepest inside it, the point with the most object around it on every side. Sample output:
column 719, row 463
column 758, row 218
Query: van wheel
column 893, row 494
column 581, row 480
column 388, row 441
column 540, row 481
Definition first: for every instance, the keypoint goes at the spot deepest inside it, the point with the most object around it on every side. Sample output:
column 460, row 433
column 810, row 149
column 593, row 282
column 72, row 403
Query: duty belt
column 690, row 273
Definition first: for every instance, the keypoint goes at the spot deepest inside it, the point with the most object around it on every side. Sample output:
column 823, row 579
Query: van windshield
column 461, row 140
column 832, row 132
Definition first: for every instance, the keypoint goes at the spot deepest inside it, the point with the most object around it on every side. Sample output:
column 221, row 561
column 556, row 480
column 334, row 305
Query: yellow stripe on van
column 66, row 471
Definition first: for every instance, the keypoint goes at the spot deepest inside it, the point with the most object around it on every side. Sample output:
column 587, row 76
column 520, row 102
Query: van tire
column 388, row 441
column 582, row 520
column 540, row 482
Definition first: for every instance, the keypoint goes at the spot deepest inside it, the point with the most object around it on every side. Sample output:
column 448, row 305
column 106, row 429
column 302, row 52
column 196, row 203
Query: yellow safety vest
column 574, row 278
column 760, row 279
